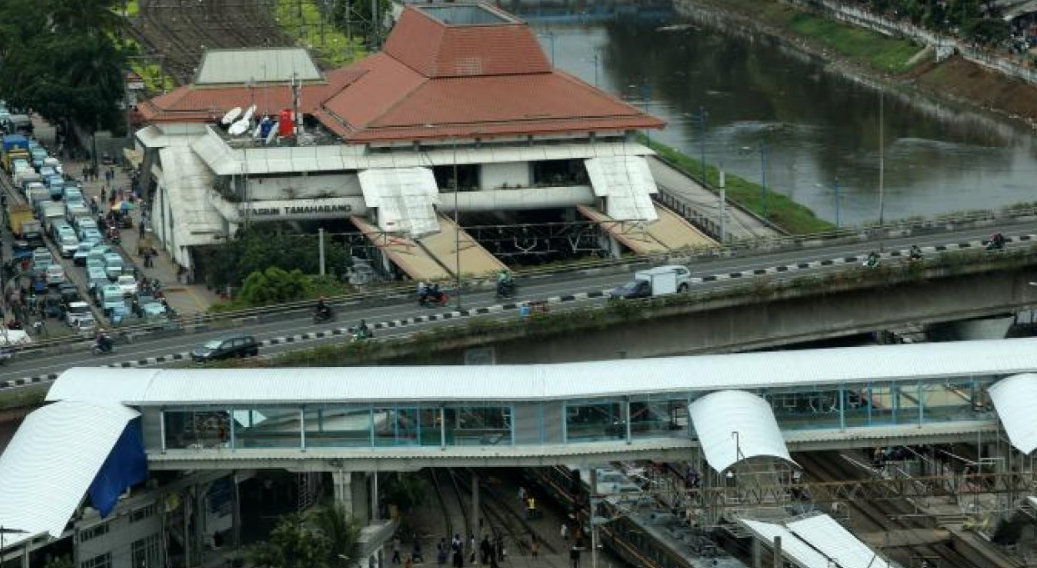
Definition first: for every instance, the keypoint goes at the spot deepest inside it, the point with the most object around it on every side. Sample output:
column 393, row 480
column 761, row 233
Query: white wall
column 302, row 187
column 122, row 533
column 493, row 176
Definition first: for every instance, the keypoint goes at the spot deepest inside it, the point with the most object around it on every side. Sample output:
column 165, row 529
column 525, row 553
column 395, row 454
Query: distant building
column 462, row 96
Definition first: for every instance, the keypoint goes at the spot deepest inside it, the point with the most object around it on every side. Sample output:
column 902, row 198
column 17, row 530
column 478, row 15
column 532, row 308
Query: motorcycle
column 432, row 301
column 321, row 316
column 355, row 334
column 102, row 348
column 870, row 262
column 994, row 244
column 506, row 290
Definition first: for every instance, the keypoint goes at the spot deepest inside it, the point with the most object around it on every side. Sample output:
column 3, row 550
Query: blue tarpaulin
column 126, row 466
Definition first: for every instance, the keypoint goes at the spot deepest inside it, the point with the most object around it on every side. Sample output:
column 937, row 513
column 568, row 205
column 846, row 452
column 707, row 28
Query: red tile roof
column 434, row 80
column 435, row 49
column 206, row 104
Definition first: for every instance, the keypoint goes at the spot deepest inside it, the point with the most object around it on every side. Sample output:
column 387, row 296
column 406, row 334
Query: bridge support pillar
column 475, row 520
column 343, row 482
column 361, row 498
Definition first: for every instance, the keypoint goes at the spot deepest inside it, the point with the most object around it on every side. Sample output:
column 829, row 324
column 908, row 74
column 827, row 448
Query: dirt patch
column 964, row 81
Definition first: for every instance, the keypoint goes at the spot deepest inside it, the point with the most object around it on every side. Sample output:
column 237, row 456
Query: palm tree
column 86, row 17
column 324, row 537
column 341, row 532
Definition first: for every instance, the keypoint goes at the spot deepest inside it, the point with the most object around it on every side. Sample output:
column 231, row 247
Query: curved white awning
column 1015, row 399
column 736, row 425
column 51, row 462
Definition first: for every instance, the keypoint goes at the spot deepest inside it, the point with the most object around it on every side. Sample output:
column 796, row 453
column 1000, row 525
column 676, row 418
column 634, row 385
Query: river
column 777, row 114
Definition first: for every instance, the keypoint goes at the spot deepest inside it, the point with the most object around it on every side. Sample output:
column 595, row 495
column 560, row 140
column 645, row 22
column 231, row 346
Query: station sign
column 303, row 209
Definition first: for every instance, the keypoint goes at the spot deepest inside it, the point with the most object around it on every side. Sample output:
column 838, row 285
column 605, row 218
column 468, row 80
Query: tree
column 270, row 244
column 321, row 538
column 274, row 286
column 406, row 491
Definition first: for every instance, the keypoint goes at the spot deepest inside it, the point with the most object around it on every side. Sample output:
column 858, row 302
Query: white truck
column 652, row 282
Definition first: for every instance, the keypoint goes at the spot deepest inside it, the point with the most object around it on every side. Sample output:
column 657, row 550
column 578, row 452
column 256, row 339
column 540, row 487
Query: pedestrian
column 395, row 550
column 574, row 557
column 534, row 547
column 522, row 494
column 500, row 548
column 143, row 227
column 484, row 549
column 471, row 549
column 147, row 258
column 103, row 194
column 564, row 531
column 416, row 553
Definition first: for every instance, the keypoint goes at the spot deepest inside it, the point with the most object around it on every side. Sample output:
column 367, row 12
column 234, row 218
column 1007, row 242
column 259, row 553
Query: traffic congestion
column 64, row 269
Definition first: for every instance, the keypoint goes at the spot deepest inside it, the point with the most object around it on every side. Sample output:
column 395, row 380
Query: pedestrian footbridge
column 733, row 407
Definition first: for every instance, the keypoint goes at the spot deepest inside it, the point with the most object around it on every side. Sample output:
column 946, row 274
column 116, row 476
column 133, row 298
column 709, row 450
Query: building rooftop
column 256, row 66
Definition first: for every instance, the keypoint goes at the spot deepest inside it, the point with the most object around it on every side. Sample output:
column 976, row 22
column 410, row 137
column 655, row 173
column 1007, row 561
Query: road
column 402, row 316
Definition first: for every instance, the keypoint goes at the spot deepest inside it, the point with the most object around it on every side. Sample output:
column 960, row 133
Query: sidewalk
column 186, row 299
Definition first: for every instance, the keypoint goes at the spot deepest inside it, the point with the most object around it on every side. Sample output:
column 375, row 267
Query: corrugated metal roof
column 255, row 66
column 735, row 425
column 791, row 547
column 404, row 197
column 834, row 541
column 1015, row 399
column 118, row 385
column 52, row 460
column 702, row 373
column 626, row 183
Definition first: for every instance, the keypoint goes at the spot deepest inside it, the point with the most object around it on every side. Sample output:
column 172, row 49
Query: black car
column 226, row 348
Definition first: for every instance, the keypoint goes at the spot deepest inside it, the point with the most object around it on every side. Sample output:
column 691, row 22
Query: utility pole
column 882, row 180
column 457, row 230
column 702, row 116
column 320, row 248
column 723, row 205
column 837, row 200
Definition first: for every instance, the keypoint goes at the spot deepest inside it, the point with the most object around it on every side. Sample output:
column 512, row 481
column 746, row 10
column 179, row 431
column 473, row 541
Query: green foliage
column 990, row 32
column 59, row 58
column 406, row 491
column 302, row 20
column 274, row 286
column 315, row 539
column 255, row 249
column 879, row 51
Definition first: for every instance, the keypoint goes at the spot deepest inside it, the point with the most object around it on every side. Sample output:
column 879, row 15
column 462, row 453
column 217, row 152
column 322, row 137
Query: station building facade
column 462, row 97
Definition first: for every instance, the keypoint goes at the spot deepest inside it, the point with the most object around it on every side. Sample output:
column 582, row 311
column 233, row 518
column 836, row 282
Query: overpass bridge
column 721, row 410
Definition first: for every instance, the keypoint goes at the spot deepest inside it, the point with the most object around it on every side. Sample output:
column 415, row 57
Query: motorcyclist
column 322, row 308
column 434, row 293
column 102, row 342
column 505, row 285
column 362, row 331
column 872, row 260
column 916, row 253
column 997, row 241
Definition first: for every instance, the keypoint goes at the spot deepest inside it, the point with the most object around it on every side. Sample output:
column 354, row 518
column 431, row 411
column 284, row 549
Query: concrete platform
column 475, row 260
column 412, row 258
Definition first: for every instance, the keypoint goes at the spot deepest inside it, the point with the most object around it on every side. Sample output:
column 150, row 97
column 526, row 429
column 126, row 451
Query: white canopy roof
column 626, row 183
column 701, row 373
column 792, row 548
column 51, row 462
column 834, row 541
column 735, row 425
column 1015, row 399
column 404, row 197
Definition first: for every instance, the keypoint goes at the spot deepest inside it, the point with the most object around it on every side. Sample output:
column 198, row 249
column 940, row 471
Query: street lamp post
column 457, row 231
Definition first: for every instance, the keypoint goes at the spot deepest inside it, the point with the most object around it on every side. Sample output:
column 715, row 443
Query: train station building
column 461, row 116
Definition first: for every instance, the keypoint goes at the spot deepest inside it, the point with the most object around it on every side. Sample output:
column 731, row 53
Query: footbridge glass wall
column 605, row 419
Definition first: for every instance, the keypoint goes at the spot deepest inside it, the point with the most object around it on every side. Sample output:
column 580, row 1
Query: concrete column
column 475, row 508
column 374, row 498
column 779, row 558
column 361, row 498
column 236, row 511
column 343, row 482
column 757, row 554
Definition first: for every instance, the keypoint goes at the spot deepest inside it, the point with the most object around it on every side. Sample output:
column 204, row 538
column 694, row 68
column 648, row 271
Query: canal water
column 777, row 117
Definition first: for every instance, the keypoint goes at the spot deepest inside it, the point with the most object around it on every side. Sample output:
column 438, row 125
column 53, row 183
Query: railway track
column 451, row 501
column 181, row 30
column 893, row 516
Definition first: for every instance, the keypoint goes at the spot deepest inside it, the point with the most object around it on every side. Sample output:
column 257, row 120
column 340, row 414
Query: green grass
column 332, row 46
column 780, row 210
column 879, row 51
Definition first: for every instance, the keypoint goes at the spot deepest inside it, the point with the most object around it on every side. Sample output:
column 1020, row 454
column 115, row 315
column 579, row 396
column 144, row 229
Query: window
column 102, row 561
column 93, row 532
column 142, row 513
column 146, row 553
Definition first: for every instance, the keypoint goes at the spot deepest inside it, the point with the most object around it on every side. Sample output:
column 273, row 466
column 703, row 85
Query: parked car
column 226, row 348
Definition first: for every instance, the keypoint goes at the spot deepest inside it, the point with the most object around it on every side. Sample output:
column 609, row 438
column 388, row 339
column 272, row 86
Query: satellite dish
column 238, row 128
column 248, row 113
column 231, row 115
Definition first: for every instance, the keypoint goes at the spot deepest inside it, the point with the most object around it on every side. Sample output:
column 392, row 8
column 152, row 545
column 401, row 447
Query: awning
column 799, row 552
column 404, row 197
column 626, row 183
column 736, row 425
column 51, row 462
column 834, row 541
column 1015, row 399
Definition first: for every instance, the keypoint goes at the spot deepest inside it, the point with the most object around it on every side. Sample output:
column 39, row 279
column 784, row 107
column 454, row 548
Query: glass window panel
column 658, row 418
column 197, row 429
column 397, row 426
column 594, row 421
column 342, row 426
column 478, row 425
column 266, row 427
